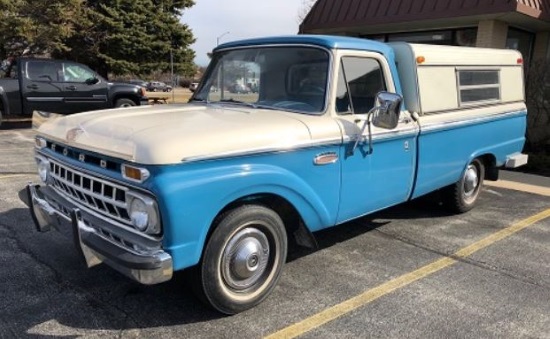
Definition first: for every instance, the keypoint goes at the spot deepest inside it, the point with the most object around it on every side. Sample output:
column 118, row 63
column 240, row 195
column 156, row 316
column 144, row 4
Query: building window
column 456, row 37
column 521, row 41
column 435, row 37
column 478, row 85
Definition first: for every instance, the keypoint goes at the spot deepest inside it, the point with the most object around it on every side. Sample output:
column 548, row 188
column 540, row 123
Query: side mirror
column 45, row 77
column 387, row 110
column 92, row 81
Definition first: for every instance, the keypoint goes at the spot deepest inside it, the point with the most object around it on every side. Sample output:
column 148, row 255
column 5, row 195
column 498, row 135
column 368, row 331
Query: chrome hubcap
column 245, row 259
column 471, row 180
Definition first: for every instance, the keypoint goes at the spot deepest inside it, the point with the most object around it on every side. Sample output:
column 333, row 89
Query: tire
column 243, row 259
column 462, row 196
column 123, row 102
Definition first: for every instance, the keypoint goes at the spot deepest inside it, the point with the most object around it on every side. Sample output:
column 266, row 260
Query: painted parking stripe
column 518, row 186
column 9, row 176
column 17, row 149
column 368, row 296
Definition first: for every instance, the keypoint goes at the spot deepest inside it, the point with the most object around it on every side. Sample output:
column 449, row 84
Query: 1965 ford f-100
column 335, row 128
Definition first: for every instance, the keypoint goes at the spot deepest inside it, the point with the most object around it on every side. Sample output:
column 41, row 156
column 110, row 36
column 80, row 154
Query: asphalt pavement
column 412, row 271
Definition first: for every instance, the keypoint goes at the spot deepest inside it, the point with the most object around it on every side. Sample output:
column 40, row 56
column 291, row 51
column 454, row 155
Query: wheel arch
column 119, row 96
column 289, row 214
column 490, row 162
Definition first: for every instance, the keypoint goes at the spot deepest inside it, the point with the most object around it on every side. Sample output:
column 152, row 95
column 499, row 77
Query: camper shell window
column 478, row 86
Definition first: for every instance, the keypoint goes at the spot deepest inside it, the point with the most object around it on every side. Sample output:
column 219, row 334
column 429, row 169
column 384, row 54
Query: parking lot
column 412, row 271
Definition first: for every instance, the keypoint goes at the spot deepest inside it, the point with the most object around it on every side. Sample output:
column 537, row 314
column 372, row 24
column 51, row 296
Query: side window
column 39, row 70
column 478, row 85
column 359, row 80
column 76, row 73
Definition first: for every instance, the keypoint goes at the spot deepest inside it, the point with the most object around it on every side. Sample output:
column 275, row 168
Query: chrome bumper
column 515, row 160
column 49, row 209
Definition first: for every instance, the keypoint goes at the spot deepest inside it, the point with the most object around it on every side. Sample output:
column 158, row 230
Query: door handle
column 33, row 86
column 71, row 88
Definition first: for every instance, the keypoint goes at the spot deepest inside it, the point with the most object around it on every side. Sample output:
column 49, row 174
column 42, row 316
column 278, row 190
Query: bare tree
column 304, row 9
column 538, row 104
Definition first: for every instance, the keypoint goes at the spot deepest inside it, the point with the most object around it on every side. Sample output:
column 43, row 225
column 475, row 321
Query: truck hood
column 168, row 134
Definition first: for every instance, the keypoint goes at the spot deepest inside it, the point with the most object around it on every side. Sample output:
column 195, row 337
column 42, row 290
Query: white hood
column 167, row 134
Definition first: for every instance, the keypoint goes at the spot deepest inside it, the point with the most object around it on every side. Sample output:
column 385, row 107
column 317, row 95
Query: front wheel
column 123, row 102
column 243, row 259
column 462, row 196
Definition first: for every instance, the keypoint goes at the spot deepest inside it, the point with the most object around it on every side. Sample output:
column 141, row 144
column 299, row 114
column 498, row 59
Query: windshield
column 285, row 78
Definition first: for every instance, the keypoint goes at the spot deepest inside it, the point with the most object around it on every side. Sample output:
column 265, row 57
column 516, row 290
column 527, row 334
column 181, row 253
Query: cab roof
column 326, row 41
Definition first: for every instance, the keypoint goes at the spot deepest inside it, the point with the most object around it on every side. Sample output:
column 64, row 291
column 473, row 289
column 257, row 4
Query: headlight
column 40, row 142
column 43, row 168
column 143, row 213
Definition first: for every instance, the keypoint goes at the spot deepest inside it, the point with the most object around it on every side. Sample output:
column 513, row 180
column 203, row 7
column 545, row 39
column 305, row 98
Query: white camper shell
column 439, row 79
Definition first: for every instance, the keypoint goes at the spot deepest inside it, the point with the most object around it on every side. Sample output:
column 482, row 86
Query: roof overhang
column 326, row 16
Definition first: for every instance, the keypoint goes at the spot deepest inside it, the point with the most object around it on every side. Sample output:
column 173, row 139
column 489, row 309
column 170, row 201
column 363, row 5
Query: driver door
column 83, row 89
column 379, row 175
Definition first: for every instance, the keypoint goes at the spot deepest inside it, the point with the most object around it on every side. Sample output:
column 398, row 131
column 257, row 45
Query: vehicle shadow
column 58, row 287
column 429, row 206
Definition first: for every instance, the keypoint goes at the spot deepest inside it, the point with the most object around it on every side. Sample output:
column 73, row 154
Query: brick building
column 517, row 24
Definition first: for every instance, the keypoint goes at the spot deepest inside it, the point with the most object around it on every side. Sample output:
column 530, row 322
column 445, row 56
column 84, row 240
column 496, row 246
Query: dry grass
column 178, row 95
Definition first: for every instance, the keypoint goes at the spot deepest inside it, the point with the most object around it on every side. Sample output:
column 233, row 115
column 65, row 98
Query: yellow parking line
column 31, row 148
column 520, row 187
column 366, row 297
column 14, row 176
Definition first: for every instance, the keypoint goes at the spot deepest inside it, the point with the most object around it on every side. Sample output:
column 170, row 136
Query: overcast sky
column 210, row 19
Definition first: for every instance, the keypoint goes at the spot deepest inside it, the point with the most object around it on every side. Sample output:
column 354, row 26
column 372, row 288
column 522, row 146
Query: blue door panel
column 374, row 181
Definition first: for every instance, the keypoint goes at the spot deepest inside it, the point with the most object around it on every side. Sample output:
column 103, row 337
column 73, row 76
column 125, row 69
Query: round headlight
column 43, row 168
column 139, row 214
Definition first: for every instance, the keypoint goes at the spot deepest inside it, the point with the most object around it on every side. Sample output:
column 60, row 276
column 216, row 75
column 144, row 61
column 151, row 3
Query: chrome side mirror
column 387, row 110
column 384, row 114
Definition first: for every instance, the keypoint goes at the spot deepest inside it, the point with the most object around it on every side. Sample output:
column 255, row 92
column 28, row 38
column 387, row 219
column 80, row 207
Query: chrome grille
column 97, row 194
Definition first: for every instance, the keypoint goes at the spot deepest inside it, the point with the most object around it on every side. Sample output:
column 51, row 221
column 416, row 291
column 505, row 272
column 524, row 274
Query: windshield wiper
column 197, row 99
column 238, row 102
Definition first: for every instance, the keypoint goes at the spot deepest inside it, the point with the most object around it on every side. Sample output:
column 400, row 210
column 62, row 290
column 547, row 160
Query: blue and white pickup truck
column 338, row 128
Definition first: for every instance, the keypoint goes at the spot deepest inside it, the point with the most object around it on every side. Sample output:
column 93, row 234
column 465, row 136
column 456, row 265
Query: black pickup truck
column 62, row 87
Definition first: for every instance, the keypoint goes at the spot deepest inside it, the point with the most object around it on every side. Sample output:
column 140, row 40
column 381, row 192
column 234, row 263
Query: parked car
column 239, row 88
column 158, row 86
column 63, row 87
column 141, row 83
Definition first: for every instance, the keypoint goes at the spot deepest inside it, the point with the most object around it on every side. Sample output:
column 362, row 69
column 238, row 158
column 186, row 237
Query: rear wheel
column 124, row 102
column 243, row 259
column 462, row 196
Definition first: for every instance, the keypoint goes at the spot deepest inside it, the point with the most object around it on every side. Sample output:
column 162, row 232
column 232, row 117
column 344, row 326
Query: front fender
column 190, row 200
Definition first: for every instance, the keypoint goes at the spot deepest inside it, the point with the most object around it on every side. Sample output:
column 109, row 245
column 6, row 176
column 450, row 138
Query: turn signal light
column 134, row 173
column 420, row 59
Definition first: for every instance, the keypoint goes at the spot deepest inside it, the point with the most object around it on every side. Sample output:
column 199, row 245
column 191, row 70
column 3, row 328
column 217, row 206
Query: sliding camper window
column 477, row 86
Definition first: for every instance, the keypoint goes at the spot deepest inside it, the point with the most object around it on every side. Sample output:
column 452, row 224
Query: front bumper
column 96, row 238
column 143, row 101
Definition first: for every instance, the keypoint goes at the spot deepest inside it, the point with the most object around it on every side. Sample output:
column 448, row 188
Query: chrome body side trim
column 456, row 123
column 257, row 151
